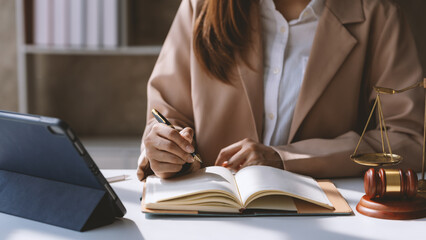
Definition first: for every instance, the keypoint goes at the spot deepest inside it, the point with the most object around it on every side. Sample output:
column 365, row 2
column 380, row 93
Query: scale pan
column 376, row 159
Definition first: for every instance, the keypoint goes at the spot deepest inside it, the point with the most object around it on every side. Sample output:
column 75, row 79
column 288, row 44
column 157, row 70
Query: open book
column 216, row 189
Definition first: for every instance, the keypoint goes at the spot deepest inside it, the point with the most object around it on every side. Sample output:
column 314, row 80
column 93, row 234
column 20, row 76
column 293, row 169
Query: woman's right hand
column 168, row 149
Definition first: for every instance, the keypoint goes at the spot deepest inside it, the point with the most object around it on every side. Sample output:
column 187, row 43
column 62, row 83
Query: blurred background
column 88, row 63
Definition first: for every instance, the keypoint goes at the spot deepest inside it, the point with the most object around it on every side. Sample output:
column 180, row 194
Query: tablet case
column 46, row 175
column 56, row 203
column 341, row 207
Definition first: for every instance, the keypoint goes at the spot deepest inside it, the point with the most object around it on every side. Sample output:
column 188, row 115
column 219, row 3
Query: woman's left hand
column 246, row 153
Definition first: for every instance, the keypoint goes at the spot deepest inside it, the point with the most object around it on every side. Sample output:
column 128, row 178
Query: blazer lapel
column 331, row 46
column 250, row 70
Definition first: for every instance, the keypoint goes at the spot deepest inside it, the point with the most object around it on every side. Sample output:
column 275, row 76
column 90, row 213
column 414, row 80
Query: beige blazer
column 358, row 44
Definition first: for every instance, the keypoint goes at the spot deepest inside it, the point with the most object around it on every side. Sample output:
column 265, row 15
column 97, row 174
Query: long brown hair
column 221, row 30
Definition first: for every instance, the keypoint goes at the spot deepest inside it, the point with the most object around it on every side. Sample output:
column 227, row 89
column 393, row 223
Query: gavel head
column 391, row 183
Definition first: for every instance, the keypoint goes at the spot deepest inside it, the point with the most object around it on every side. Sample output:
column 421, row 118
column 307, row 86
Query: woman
column 249, row 87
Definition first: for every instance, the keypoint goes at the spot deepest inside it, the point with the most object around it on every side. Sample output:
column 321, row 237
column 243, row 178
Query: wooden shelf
column 69, row 50
column 128, row 25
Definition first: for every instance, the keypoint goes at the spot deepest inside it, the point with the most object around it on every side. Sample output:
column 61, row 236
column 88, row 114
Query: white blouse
column 286, row 46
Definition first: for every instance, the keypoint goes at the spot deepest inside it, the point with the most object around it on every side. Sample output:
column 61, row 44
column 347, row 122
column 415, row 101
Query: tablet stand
column 57, row 203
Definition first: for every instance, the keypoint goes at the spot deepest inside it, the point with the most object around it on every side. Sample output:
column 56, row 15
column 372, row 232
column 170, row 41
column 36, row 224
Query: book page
column 206, row 180
column 257, row 181
column 273, row 202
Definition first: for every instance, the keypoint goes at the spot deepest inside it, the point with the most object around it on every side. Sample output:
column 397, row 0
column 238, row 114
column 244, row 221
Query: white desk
column 136, row 225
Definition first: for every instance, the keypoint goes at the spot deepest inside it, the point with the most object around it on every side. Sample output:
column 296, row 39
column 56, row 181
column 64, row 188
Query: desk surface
column 136, row 225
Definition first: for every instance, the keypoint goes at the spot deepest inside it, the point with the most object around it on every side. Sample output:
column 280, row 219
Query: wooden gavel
column 391, row 183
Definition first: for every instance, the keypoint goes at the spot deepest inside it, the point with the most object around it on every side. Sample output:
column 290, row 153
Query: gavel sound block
column 391, row 194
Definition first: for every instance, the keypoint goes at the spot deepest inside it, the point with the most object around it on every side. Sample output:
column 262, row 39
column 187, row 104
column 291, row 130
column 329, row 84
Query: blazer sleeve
column 169, row 87
column 393, row 63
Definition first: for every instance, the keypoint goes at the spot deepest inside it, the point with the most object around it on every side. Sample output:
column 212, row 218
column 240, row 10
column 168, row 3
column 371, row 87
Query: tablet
column 47, row 148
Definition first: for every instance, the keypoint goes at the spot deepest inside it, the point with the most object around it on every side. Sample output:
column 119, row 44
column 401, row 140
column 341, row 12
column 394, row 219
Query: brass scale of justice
column 391, row 193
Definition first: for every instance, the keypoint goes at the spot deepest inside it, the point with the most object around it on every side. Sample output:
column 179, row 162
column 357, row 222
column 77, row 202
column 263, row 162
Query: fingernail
column 187, row 135
column 225, row 164
column 190, row 148
column 191, row 159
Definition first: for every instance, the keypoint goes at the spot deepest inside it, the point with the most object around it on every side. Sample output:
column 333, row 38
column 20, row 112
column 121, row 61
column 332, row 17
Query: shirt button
column 276, row 70
column 271, row 116
column 282, row 29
